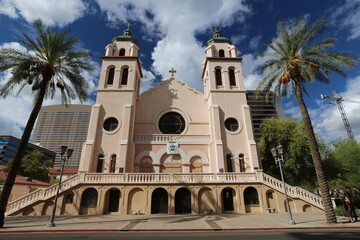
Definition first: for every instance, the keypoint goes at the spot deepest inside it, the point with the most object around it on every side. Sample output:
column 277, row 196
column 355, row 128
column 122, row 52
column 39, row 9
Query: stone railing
column 157, row 178
column 162, row 178
column 294, row 192
column 165, row 138
column 40, row 194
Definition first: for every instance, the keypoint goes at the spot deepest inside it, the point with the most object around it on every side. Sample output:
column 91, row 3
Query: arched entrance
column 196, row 165
column 182, row 201
column 89, row 200
column 170, row 164
column 207, row 202
column 251, row 199
column 136, row 201
column 113, row 197
column 227, row 196
column 159, row 201
column 146, row 165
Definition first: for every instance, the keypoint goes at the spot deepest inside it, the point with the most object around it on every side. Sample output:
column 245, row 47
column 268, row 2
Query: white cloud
column 52, row 12
column 250, row 65
column 176, row 23
column 327, row 117
column 147, row 80
column 254, row 42
column 348, row 15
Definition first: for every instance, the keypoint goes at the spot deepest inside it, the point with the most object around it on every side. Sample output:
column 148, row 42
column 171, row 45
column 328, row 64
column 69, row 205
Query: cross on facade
column 128, row 25
column 172, row 71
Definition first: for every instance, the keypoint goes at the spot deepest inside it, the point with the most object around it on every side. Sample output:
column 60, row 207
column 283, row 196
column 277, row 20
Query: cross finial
column 128, row 25
column 172, row 71
column 216, row 28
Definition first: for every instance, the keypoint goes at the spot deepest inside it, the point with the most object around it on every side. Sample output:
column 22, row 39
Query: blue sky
column 173, row 33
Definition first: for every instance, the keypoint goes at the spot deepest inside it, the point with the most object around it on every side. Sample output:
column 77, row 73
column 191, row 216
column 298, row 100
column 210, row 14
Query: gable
column 171, row 95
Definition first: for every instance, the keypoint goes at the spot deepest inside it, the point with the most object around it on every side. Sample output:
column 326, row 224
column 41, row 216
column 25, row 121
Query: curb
column 177, row 230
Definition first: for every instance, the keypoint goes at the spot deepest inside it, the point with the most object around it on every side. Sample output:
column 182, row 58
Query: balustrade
column 165, row 138
column 162, row 178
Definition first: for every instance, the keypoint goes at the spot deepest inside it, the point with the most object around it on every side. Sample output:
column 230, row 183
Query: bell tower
column 233, row 148
column 109, row 146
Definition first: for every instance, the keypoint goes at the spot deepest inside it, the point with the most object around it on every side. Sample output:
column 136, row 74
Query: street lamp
column 63, row 150
column 278, row 153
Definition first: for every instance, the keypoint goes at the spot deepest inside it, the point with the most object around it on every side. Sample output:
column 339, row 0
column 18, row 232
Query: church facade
column 170, row 149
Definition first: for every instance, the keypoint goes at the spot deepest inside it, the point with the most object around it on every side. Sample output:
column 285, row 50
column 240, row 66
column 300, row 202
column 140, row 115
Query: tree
column 298, row 167
column 294, row 58
column 32, row 165
column 346, row 154
column 49, row 64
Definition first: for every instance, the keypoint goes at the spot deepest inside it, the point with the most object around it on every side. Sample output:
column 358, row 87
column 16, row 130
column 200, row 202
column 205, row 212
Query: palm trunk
column 324, row 188
column 10, row 180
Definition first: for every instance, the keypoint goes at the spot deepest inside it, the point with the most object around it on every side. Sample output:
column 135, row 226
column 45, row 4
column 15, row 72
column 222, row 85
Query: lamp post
column 63, row 150
column 278, row 153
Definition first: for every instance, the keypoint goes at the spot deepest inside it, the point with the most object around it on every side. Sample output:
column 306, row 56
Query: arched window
column 113, row 163
column 124, row 77
column 89, row 198
column 122, row 52
column 232, row 77
column 251, row 196
column 221, row 53
column 229, row 164
column 110, row 78
column 242, row 162
column 100, row 163
column 218, row 76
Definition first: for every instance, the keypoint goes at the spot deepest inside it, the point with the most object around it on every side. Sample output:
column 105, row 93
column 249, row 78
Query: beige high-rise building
column 262, row 107
column 60, row 125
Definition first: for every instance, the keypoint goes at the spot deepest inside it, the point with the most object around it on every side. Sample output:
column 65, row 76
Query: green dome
column 217, row 38
column 126, row 37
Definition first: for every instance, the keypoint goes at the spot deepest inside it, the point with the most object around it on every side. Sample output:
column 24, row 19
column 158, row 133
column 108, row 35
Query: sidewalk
column 171, row 222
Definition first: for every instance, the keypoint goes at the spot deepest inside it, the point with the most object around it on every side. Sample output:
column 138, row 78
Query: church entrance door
column 228, row 200
column 182, row 201
column 159, row 201
column 114, row 197
column 171, row 164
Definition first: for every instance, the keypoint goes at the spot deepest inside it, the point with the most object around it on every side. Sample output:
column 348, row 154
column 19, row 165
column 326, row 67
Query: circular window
column 231, row 124
column 172, row 123
column 111, row 124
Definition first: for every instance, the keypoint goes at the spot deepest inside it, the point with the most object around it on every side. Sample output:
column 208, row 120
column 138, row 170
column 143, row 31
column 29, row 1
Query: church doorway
column 146, row 165
column 159, row 201
column 183, row 201
column 171, row 164
column 113, row 197
column 228, row 199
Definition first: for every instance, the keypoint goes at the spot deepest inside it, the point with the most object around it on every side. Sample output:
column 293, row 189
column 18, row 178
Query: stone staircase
column 161, row 178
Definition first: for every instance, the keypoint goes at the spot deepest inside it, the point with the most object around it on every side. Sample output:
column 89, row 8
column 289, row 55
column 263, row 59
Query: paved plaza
column 172, row 222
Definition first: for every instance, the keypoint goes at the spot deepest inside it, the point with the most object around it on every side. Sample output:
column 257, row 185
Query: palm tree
column 295, row 58
column 48, row 65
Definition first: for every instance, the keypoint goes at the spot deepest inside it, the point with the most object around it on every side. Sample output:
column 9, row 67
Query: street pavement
column 215, row 222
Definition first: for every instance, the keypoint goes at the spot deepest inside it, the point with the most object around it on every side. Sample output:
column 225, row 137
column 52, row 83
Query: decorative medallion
column 172, row 92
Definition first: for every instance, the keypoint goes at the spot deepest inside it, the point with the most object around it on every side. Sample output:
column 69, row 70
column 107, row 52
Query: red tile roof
column 66, row 171
column 23, row 180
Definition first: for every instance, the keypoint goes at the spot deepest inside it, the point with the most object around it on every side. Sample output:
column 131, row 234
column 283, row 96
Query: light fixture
column 62, row 149
column 280, row 149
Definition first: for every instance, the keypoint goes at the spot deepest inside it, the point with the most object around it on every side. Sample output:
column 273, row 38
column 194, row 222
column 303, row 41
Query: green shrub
column 340, row 211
